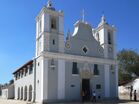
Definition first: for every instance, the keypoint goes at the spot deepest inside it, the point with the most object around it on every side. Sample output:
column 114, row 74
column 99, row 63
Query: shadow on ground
column 104, row 102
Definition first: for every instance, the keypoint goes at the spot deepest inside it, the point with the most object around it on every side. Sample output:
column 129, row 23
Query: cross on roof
column 83, row 16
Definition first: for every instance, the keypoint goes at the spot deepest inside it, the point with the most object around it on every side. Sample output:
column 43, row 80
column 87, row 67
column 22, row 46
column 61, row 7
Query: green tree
column 128, row 64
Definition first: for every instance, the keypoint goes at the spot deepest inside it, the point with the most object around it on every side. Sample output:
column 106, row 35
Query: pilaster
column 23, row 94
column 107, row 80
column 27, row 93
column 33, row 97
column 116, row 75
column 61, row 79
column 44, row 78
column 61, row 43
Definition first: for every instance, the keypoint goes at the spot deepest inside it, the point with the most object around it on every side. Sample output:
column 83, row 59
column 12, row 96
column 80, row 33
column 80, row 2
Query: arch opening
column 25, row 93
column 18, row 93
column 21, row 93
column 30, row 93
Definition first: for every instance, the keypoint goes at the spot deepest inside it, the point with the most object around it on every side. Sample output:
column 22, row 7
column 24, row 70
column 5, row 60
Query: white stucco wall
column 107, row 81
column 38, row 78
column 44, row 78
column 22, row 82
column 125, row 89
column 61, row 79
column 8, row 93
column 11, row 91
column 5, row 93
column 61, row 24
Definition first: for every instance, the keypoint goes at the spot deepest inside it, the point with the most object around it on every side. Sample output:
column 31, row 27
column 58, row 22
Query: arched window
column 21, row 93
column 30, row 93
column 53, row 23
column 109, row 38
column 26, row 71
column 25, row 93
column 96, row 71
column 18, row 97
column 53, row 41
column 31, row 69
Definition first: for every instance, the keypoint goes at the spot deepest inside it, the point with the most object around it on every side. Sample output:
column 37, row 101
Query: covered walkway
column 25, row 93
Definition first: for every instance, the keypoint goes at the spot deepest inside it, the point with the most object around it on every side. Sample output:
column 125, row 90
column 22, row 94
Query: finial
column 83, row 16
column 103, row 19
column 49, row 4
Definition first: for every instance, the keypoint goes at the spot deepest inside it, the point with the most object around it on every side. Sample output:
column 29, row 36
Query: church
column 64, row 67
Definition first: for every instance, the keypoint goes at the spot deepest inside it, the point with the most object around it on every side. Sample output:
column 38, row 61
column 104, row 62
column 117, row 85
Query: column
column 107, row 80
column 44, row 79
column 24, row 73
column 16, row 93
column 23, row 92
column 61, row 79
column 20, row 93
column 116, row 75
column 33, row 97
column 27, row 93
column 28, row 68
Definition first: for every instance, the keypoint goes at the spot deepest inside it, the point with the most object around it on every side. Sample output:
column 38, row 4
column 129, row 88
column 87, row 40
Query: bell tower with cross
column 49, row 39
column 49, row 30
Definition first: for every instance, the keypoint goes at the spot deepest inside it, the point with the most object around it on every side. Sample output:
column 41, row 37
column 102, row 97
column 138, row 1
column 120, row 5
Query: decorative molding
column 87, row 49
column 105, row 26
column 86, row 72
column 75, row 75
column 42, row 33
column 101, row 50
column 110, row 49
column 46, row 10
column 68, row 45
column 78, row 58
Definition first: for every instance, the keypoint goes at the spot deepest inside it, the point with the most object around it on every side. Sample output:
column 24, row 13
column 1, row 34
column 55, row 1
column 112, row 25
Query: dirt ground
column 124, row 99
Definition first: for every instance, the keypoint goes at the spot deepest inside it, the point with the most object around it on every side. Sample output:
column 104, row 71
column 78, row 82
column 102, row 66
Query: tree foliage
column 128, row 64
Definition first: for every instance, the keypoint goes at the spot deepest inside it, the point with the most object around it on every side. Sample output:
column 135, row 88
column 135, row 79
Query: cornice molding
column 105, row 26
column 51, row 12
column 70, row 57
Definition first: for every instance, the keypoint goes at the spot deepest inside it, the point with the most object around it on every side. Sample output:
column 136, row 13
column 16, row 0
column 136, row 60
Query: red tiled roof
column 24, row 66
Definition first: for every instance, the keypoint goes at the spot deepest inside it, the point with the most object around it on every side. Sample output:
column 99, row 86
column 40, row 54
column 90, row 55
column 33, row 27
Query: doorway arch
column 21, row 93
column 25, row 93
column 18, row 93
column 30, row 93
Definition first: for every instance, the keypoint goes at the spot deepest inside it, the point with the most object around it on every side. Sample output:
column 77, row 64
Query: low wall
column 8, row 93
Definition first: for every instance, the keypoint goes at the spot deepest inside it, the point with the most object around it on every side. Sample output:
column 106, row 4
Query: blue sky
column 17, row 26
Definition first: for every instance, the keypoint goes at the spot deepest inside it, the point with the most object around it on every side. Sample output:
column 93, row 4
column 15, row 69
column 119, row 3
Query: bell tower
column 49, row 38
column 106, row 34
column 49, row 30
column 107, row 39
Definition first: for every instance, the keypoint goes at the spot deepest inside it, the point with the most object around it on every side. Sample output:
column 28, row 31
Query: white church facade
column 62, row 69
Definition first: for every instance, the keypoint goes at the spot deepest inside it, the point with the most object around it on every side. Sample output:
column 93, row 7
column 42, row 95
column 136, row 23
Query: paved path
column 104, row 102
column 123, row 100
column 4, row 101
